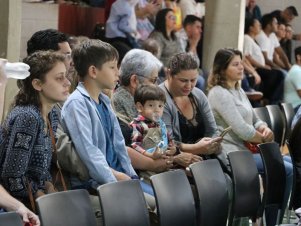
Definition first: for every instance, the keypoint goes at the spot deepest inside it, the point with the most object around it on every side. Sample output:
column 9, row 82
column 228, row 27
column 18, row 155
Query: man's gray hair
column 139, row 62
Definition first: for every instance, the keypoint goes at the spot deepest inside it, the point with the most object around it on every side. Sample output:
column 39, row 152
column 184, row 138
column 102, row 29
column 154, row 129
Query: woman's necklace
column 192, row 121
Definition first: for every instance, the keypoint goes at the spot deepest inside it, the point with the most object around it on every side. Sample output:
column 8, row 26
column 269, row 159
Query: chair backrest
column 123, row 203
column 67, row 208
column 274, row 173
column 294, row 201
column 246, row 190
column 10, row 218
column 289, row 113
column 174, row 199
column 212, row 192
column 277, row 123
column 294, row 146
column 274, row 180
column 263, row 114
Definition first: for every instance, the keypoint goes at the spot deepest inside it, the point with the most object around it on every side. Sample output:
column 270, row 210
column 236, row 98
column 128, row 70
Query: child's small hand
column 171, row 151
column 157, row 153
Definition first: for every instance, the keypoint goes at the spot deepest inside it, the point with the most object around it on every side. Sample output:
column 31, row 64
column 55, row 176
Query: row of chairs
column 123, row 203
column 279, row 119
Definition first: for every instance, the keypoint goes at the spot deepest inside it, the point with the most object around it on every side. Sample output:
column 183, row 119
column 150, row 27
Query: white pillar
column 10, row 35
column 224, row 27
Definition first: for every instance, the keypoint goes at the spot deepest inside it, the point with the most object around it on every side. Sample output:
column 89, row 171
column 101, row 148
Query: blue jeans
column 91, row 184
column 289, row 178
column 147, row 188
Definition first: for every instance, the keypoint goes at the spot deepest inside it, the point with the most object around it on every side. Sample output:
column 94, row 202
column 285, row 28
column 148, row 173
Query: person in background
column 174, row 5
column 145, row 12
column 252, row 10
column 271, row 79
column 121, row 25
column 292, row 84
column 50, row 39
column 189, row 37
column 269, row 44
column 286, row 16
column 192, row 7
column 164, row 34
column 286, row 42
column 280, row 33
column 247, row 128
column 151, row 45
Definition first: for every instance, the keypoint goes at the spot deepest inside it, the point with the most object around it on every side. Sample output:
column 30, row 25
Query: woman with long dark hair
column 164, row 33
column 26, row 147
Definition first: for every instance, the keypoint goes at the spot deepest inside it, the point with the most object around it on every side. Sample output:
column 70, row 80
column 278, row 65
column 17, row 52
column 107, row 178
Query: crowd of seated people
column 119, row 121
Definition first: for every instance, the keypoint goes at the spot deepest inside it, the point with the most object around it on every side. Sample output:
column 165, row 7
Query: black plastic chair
column 263, row 114
column 174, row 199
column 289, row 113
column 294, row 147
column 123, row 203
column 246, row 189
column 67, row 208
column 277, row 123
column 294, row 202
column 212, row 193
column 274, row 181
column 10, row 219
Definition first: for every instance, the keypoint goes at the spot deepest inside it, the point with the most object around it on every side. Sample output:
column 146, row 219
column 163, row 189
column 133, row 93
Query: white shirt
column 252, row 49
column 267, row 43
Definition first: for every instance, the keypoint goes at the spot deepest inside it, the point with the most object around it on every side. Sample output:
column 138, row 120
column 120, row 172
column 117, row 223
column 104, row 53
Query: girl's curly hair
column 40, row 62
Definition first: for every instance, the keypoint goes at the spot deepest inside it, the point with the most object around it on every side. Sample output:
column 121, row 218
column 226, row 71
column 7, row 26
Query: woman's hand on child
column 163, row 164
column 185, row 159
column 171, row 151
column 158, row 153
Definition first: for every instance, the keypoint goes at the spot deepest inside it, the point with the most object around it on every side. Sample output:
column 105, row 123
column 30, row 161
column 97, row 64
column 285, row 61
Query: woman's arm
column 141, row 162
column 11, row 204
column 222, row 101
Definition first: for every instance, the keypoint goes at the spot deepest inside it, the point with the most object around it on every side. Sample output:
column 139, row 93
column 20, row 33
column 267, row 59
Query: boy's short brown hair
column 149, row 92
column 92, row 52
